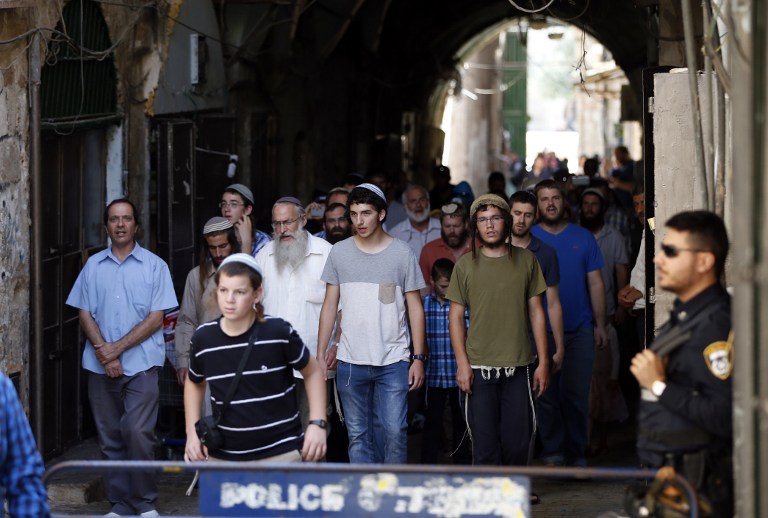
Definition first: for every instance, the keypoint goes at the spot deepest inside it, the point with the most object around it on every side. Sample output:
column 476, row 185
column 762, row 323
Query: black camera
column 208, row 431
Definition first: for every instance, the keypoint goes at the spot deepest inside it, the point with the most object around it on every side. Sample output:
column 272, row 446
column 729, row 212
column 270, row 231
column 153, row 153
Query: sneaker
column 111, row 514
column 150, row 514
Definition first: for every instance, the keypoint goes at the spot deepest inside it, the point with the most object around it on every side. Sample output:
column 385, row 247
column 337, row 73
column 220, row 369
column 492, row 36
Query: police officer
column 685, row 376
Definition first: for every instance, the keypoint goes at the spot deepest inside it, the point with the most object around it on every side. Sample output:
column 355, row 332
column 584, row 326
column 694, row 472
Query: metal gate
column 73, row 199
column 191, row 159
column 175, row 197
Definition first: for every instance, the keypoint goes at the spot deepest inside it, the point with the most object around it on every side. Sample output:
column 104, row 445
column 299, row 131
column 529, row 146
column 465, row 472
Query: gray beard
column 291, row 253
column 418, row 218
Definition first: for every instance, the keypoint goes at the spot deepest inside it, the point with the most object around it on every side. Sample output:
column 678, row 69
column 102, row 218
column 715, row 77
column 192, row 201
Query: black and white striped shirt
column 262, row 419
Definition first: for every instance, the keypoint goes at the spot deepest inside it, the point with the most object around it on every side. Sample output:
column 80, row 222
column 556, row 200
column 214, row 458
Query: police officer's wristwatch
column 422, row 357
column 658, row 387
column 322, row 423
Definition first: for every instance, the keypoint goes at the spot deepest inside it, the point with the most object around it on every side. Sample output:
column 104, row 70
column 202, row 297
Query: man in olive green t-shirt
column 502, row 286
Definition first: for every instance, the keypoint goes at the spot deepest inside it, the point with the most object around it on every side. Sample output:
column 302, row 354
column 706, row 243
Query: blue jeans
column 563, row 410
column 367, row 391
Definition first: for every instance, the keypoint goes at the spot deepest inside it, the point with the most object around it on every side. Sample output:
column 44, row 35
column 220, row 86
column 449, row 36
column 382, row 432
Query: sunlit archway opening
column 535, row 92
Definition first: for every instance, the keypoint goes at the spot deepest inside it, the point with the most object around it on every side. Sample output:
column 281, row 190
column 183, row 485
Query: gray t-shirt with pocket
column 374, row 327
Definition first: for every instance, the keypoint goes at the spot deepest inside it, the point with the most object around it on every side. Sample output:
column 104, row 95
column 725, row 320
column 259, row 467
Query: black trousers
column 432, row 437
column 498, row 413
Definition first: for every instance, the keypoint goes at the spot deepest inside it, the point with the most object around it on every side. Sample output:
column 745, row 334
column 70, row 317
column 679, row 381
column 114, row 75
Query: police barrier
column 373, row 493
column 238, row 489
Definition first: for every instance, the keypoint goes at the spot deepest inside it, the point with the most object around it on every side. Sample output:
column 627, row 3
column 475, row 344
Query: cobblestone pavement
column 81, row 495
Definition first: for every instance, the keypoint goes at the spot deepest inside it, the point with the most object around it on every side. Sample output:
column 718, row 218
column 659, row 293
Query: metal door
column 176, row 186
column 649, row 181
column 73, row 170
column 191, row 169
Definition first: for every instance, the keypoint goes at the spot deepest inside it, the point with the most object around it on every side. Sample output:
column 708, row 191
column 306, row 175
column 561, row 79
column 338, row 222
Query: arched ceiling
column 344, row 72
column 410, row 39
column 424, row 36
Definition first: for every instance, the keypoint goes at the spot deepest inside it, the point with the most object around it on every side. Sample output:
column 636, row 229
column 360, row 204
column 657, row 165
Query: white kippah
column 375, row 190
column 245, row 259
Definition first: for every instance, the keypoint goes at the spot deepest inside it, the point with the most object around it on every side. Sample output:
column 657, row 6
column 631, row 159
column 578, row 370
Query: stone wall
column 15, row 148
column 142, row 36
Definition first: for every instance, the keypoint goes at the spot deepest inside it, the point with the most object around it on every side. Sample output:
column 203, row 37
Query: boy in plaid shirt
column 441, row 374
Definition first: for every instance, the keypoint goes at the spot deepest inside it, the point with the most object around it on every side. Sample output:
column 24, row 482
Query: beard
column 592, row 223
column 336, row 234
column 418, row 217
column 293, row 251
column 524, row 233
column 498, row 243
column 552, row 220
column 454, row 241
column 492, row 245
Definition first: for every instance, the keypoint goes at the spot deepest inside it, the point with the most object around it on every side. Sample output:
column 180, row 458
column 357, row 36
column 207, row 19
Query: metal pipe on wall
column 720, row 150
column 721, row 158
column 36, row 218
column 749, row 483
column 691, row 61
column 708, row 131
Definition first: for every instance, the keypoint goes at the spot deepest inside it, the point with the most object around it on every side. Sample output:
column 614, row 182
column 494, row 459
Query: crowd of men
column 505, row 310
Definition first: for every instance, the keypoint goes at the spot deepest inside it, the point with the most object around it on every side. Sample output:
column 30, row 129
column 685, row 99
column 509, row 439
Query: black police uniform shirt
column 694, row 411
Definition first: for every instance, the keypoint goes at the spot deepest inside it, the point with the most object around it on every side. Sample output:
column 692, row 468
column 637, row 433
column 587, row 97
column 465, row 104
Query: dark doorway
column 191, row 160
column 73, row 169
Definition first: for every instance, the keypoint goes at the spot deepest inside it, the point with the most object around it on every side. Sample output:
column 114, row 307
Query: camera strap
column 233, row 386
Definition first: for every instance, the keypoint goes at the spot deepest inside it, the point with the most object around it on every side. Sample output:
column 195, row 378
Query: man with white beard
column 419, row 229
column 292, row 264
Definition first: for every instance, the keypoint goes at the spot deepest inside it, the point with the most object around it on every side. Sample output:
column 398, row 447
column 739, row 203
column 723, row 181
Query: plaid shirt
column 441, row 368
column 20, row 464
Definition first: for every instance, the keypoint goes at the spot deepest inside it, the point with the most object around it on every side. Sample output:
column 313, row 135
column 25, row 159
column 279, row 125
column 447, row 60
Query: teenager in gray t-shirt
column 373, row 279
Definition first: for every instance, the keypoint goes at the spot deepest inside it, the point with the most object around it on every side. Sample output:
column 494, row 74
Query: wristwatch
column 422, row 357
column 657, row 388
column 322, row 423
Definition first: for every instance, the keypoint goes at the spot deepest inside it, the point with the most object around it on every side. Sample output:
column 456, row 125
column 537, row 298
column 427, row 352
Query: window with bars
column 78, row 78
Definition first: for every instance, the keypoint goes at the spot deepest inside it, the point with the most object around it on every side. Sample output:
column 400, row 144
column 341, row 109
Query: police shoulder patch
column 719, row 358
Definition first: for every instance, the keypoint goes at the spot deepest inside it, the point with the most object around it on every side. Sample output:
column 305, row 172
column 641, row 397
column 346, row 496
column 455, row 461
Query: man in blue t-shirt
column 563, row 411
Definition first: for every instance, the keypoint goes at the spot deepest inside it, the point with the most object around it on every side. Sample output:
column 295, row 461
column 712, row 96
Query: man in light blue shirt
column 419, row 228
column 122, row 293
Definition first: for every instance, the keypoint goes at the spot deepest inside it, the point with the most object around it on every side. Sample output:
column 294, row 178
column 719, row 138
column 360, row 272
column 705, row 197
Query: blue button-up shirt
column 415, row 239
column 20, row 464
column 119, row 296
